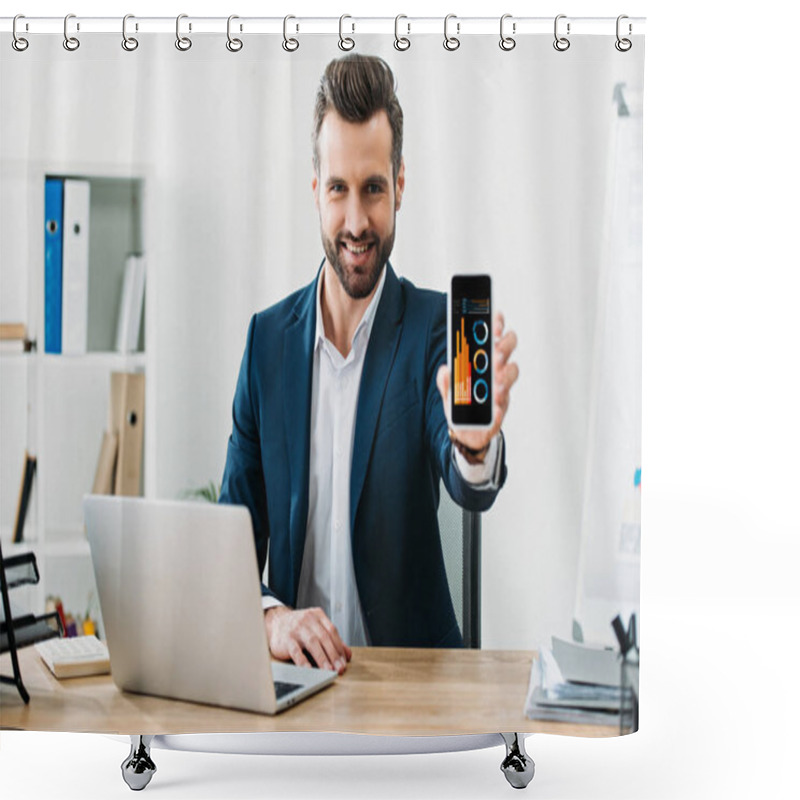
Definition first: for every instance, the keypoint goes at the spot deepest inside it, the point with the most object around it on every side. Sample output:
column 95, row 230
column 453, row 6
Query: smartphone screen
column 471, row 350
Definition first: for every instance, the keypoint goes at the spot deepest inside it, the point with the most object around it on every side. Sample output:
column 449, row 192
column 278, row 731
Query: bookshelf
column 56, row 405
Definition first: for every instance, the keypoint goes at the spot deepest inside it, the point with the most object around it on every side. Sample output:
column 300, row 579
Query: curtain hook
column 401, row 42
column 561, row 43
column 129, row 43
column 623, row 45
column 183, row 43
column 507, row 42
column 451, row 42
column 234, row 45
column 345, row 42
column 19, row 43
column 70, row 42
column 289, row 45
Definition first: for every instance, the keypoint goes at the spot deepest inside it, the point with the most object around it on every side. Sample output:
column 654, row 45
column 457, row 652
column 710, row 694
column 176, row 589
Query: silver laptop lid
column 180, row 598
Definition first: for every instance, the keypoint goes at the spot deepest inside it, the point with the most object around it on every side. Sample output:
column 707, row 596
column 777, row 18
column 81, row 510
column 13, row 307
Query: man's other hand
column 292, row 634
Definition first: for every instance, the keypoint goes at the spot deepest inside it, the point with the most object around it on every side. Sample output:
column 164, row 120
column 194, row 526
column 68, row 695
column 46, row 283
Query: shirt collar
column 365, row 325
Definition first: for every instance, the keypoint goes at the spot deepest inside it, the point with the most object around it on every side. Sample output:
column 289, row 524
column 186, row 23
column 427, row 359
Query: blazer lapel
column 298, row 351
column 383, row 342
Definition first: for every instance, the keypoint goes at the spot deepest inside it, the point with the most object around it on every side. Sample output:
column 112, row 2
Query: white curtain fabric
column 507, row 158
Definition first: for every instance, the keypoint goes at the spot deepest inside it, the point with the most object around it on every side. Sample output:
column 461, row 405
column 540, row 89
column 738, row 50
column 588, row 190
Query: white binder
column 131, row 304
column 75, row 298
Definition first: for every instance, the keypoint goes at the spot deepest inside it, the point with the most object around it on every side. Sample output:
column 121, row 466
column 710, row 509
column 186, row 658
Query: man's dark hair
column 356, row 87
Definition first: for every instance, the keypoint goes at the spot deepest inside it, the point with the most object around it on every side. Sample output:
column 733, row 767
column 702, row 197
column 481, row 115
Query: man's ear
column 400, row 185
column 315, row 186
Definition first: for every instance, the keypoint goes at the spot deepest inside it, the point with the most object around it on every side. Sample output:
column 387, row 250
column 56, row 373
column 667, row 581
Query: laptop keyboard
column 282, row 689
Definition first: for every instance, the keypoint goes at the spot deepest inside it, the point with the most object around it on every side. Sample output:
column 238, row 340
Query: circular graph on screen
column 481, row 361
column 480, row 332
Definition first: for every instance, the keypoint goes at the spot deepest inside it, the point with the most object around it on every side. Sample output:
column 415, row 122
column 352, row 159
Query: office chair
column 460, row 532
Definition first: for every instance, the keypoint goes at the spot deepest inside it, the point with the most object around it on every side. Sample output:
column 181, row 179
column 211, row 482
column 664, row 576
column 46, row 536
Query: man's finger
column 505, row 377
column 499, row 324
column 339, row 649
column 317, row 651
column 297, row 655
column 506, row 345
column 333, row 649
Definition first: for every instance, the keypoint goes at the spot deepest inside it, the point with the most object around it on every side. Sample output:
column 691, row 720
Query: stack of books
column 572, row 682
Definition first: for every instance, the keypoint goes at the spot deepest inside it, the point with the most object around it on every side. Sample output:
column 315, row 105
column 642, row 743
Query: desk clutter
column 75, row 657
column 584, row 684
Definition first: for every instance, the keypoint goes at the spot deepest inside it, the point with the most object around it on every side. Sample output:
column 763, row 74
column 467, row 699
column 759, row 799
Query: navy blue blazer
column 401, row 450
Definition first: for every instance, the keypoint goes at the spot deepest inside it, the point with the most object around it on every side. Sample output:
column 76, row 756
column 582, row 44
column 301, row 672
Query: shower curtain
column 522, row 161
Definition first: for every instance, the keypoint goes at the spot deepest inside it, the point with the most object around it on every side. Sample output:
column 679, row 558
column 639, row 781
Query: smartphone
column 470, row 350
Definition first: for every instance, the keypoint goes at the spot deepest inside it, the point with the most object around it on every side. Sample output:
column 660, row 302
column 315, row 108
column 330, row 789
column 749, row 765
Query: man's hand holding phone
column 505, row 375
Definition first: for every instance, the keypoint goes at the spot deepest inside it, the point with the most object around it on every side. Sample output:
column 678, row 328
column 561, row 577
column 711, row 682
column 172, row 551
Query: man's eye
column 374, row 188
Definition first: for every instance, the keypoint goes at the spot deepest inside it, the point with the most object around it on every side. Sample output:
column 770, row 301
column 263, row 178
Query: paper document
column 581, row 663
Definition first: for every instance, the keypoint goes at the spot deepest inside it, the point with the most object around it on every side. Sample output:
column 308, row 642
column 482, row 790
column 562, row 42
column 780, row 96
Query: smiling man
column 340, row 436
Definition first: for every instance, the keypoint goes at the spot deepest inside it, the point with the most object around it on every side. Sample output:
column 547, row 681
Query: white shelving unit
column 56, row 406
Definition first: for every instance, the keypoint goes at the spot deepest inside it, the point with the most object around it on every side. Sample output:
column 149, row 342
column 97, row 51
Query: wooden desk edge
column 385, row 692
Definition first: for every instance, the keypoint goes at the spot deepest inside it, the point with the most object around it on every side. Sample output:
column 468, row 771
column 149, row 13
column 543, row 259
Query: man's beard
column 359, row 282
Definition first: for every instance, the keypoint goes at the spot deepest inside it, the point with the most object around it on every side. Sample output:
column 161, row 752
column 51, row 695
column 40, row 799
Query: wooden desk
column 390, row 691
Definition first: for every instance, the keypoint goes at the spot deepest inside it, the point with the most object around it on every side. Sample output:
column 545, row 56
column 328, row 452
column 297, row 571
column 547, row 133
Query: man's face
column 357, row 198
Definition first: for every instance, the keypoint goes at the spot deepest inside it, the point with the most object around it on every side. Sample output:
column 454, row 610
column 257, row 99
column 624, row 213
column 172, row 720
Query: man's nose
column 356, row 219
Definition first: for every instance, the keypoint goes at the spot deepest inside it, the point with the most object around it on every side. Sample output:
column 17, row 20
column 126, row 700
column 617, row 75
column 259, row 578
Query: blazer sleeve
column 243, row 479
column 467, row 495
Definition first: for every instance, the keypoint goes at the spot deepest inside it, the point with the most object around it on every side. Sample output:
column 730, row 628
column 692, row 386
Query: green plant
column 209, row 493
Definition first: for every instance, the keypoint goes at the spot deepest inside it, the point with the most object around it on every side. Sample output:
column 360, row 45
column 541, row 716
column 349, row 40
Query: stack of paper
column 575, row 683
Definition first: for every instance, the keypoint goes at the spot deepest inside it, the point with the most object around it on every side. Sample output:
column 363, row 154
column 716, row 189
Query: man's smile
column 358, row 253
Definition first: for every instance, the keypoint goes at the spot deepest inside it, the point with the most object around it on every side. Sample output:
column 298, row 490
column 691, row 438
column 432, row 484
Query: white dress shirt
column 327, row 577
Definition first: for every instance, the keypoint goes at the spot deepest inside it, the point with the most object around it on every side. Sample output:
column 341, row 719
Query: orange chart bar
column 462, row 366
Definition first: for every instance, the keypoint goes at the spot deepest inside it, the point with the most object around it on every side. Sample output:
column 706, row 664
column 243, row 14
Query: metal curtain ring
column 561, row 43
column 19, row 43
column 345, row 42
column 129, row 43
column 234, row 45
column 507, row 42
column 623, row 45
column 70, row 42
column 290, row 45
column 401, row 42
column 183, row 43
column 451, row 42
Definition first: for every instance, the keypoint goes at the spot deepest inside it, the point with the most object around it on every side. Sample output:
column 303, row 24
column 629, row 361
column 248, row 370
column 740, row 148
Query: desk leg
column 138, row 768
column 518, row 766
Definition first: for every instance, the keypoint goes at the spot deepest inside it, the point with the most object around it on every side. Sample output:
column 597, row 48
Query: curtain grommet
column 289, row 44
column 451, row 43
column 561, row 43
column 233, row 44
column 346, row 43
column 623, row 44
column 183, row 43
column 507, row 43
column 71, row 43
column 401, row 43
column 19, row 43
column 129, row 43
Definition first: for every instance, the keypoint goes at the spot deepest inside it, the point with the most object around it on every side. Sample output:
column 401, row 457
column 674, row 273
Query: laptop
column 180, row 599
